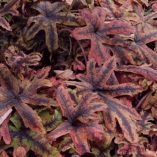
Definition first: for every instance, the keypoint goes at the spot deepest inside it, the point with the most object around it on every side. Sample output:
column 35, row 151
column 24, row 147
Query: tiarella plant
column 78, row 78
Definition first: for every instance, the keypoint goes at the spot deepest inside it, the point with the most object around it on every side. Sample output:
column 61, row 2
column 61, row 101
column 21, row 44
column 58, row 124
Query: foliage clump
column 78, row 78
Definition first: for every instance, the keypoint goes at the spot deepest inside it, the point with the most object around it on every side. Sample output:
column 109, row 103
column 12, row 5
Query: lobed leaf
column 140, row 48
column 20, row 62
column 98, row 31
column 20, row 94
column 50, row 15
column 125, row 116
column 95, row 82
column 78, row 124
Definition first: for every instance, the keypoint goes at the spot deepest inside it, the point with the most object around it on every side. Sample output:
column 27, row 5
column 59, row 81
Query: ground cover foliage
column 78, row 78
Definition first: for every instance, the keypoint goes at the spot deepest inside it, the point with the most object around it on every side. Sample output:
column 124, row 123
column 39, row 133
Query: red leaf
column 95, row 82
column 50, row 14
column 78, row 124
column 20, row 94
column 97, row 30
